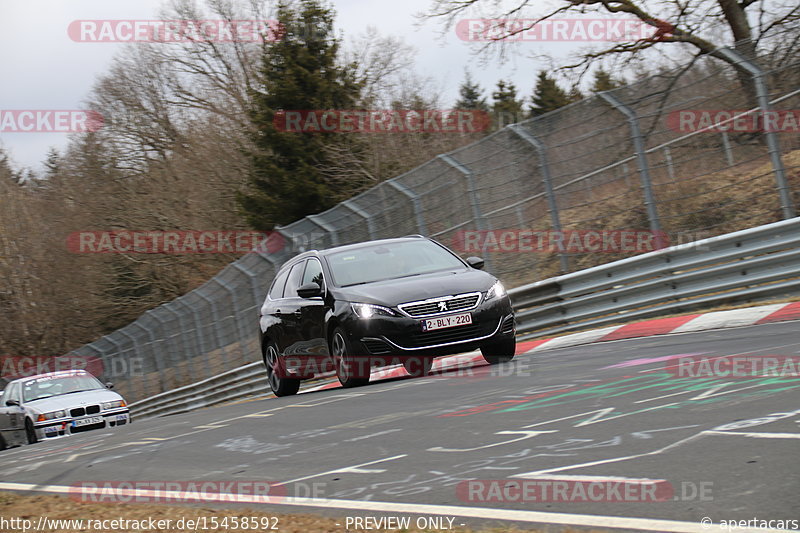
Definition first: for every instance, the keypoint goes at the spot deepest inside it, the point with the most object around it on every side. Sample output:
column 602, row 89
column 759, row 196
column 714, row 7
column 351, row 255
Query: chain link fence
column 640, row 157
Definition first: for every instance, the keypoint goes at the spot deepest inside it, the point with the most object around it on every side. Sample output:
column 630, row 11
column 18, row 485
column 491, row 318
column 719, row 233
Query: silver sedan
column 55, row 404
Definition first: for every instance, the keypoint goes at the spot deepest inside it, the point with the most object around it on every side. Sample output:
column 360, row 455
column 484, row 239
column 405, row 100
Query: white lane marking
column 214, row 425
column 755, row 435
column 640, row 524
column 591, row 479
column 612, row 460
column 355, row 469
column 525, row 435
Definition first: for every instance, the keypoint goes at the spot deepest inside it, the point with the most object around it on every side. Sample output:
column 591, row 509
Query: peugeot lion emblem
column 442, row 306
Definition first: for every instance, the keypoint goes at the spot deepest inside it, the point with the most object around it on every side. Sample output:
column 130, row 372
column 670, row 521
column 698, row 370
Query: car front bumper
column 66, row 426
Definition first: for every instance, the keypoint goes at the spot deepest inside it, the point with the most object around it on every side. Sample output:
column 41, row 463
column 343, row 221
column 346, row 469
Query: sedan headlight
column 113, row 405
column 51, row 415
column 370, row 310
column 496, row 291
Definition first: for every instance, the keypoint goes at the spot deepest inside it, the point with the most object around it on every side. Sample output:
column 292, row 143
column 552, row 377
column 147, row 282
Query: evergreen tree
column 505, row 106
column 603, row 81
column 471, row 96
column 547, row 96
column 300, row 71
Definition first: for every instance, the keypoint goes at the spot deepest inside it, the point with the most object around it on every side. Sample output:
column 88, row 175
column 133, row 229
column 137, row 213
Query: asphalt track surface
column 725, row 448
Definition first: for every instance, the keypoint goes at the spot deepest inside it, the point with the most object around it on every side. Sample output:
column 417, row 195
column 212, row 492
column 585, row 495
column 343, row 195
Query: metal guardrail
column 738, row 267
column 747, row 265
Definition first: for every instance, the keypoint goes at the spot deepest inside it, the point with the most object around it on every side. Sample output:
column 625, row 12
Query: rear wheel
column 281, row 386
column 3, row 445
column 30, row 432
column 350, row 371
column 500, row 351
column 418, row 366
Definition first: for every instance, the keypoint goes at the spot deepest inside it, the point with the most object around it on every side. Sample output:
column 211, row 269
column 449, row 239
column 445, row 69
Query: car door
column 12, row 419
column 288, row 311
column 312, row 314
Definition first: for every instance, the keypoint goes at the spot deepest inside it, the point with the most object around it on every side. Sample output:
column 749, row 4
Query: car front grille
column 443, row 336
column 81, row 411
column 441, row 306
column 508, row 325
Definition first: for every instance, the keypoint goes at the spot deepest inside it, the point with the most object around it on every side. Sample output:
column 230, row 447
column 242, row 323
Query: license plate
column 446, row 322
column 87, row 421
column 122, row 417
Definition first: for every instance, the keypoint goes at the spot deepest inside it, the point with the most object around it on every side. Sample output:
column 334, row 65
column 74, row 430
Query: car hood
column 396, row 291
column 69, row 401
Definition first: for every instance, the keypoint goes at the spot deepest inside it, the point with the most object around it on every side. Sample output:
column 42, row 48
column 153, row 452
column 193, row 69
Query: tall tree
column 506, row 108
column 300, row 71
column 547, row 96
column 603, row 81
column 471, row 95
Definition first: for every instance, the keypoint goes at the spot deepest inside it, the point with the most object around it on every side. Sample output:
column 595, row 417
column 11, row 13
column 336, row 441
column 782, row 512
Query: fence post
column 139, row 354
column 319, row 221
column 547, row 181
column 474, row 196
column 349, row 204
column 192, row 375
column 414, row 197
column 644, row 167
column 215, row 326
column 773, row 147
column 201, row 345
column 156, row 360
column 239, row 323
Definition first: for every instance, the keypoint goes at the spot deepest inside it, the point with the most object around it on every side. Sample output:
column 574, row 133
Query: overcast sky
column 44, row 69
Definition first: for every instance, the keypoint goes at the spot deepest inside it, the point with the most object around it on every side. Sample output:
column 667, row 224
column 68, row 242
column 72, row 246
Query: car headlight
column 113, row 405
column 496, row 291
column 370, row 310
column 51, row 415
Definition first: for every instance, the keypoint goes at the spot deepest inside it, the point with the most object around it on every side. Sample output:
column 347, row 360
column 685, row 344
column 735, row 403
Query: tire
column 351, row 373
column 418, row 366
column 281, row 386
column 499, row 352
column 3, row 445
column 30, row 432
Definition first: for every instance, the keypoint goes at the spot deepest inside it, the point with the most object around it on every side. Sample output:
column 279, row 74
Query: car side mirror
column 10, row 403
column 475, row 262
column 309, row 290
column 109, row 385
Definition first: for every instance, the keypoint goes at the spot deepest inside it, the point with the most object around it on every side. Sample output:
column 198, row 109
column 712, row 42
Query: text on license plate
column 446, row 322
column 87, row 421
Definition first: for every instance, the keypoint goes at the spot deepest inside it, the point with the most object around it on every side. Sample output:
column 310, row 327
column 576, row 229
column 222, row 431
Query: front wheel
column 281, row 386
column 351, row 371
column 30, row 432
column 500, row 351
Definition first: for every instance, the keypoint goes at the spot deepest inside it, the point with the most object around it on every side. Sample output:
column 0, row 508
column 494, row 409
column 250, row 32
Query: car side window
column 292, row 284
column 12, row 392
column 276, row 291
column 313, row 273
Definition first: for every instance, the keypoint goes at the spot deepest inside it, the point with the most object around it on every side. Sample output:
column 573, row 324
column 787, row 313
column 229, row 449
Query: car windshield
column 390, row 261
column 45, row 387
